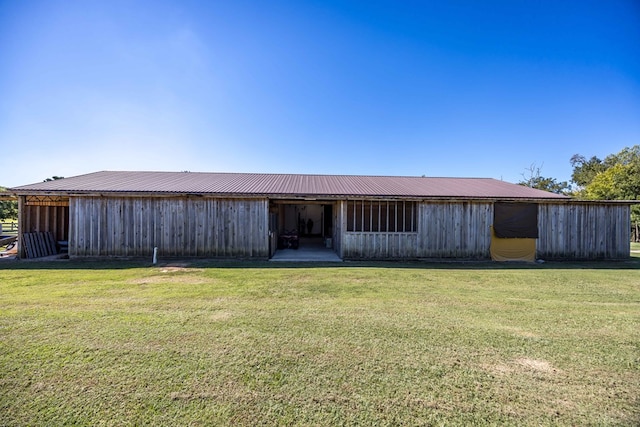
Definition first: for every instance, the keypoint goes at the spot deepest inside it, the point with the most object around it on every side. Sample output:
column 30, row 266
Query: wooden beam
column 21, row 224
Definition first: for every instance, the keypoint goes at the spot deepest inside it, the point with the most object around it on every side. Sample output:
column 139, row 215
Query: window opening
column 381, row 216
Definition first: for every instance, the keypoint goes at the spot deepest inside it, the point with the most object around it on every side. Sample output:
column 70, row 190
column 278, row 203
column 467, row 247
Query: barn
column 253, row 216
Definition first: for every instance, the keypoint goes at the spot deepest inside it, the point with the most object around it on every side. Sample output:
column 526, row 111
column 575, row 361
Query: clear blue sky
column 436, row 88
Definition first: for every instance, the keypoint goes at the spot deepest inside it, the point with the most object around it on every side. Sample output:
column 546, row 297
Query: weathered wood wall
column 372, row 245
column 180, row 226
column 379, row 245
column 47, row 218
column 583, row 231
column 445, row 230
column 210, row 227
column 339, row 210
column 455, row 230
column 50, row 214
column 573, row 230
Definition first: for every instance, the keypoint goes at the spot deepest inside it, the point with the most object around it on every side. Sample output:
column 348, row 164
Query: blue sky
column 329, row 87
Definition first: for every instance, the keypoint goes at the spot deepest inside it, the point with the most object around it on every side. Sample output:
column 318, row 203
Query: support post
column 21, row 226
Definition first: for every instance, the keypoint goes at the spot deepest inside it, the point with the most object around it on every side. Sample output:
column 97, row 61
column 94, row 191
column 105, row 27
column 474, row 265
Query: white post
column 155, row 255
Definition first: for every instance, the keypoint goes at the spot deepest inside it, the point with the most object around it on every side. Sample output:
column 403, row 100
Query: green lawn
column 356, row 344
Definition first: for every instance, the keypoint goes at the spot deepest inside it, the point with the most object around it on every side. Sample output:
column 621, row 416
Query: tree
column 615, row 178
column 612, row 184
column 585, row 170
column 53, row 178
column 532, row 177
column 627, row 156
column 8, row 208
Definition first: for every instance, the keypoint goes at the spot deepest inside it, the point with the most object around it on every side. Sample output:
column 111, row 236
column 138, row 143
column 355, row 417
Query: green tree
column 612, row 184
column 533, row 178
column 8, row 208
column 627, row 156
column 615, row 178
column 585, row 170
column 53, row 178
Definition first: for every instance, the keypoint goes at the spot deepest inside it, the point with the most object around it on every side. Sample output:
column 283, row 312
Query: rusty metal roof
column 282, row 185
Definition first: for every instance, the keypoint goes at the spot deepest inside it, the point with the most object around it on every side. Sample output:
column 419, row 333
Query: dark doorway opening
column 301, row 225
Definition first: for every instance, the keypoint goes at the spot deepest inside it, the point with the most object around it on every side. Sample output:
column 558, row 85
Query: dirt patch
column 521, row 333
column 172, row 269
column 220, row 315
column 170, row 278
column 527, row 334
column 176, row 267
column 525, row 364
column 536, row 365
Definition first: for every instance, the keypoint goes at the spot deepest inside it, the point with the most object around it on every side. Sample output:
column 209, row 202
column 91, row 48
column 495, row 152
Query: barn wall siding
column 455, row 230
column 46, row 218
column 190, row 227
column 372, row 245
column 583, row 231
column 445, row 230
column 379, row 245
column 579, row 231
column 210, row 227
column 337, row 227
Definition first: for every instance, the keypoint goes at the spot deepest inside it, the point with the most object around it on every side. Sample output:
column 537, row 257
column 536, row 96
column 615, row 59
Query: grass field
column 372, row 344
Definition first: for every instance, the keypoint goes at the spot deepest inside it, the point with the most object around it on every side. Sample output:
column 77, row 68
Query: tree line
column 616, row 177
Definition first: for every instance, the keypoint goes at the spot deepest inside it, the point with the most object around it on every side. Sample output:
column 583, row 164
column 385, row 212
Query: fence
column 9, row 228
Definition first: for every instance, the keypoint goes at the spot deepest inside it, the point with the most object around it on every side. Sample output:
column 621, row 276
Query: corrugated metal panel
column 245, row 184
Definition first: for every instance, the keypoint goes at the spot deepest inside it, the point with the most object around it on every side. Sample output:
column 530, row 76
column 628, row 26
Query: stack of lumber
column 5, row 240
column 39, row 244
column 11, row 247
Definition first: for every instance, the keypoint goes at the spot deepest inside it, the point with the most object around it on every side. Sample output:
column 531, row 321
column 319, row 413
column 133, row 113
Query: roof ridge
column 293, row 174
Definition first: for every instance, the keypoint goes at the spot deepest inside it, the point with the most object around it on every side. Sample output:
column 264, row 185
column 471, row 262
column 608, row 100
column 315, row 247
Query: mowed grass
column 356, row 344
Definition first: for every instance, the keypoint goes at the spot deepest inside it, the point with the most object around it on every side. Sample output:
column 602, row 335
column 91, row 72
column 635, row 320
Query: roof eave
column 297, row 196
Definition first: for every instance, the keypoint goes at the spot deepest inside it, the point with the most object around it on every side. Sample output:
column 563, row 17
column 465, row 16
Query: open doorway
column 302, row 226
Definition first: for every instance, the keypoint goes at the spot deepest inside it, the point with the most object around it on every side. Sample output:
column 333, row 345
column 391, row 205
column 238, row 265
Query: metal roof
column 281, row 185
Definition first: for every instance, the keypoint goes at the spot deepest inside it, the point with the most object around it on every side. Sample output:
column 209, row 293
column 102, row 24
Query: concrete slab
column 310, row 250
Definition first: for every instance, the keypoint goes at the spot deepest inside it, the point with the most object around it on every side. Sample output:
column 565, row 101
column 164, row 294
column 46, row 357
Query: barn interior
column 302, row 224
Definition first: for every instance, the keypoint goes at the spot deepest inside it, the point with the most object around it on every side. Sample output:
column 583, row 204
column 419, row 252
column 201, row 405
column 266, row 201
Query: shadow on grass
column 632, row 263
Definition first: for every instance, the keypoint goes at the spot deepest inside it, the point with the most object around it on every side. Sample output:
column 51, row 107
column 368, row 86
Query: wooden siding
column 583, row 231
column 579, row 231
column 339, row 211
column 178, row 227
column 39, row 218
column 379, row 245
column 454, row 230
column 337, row 228
column 238, row 228
column 273, row 243
column 42, row 215
column 445, row 230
